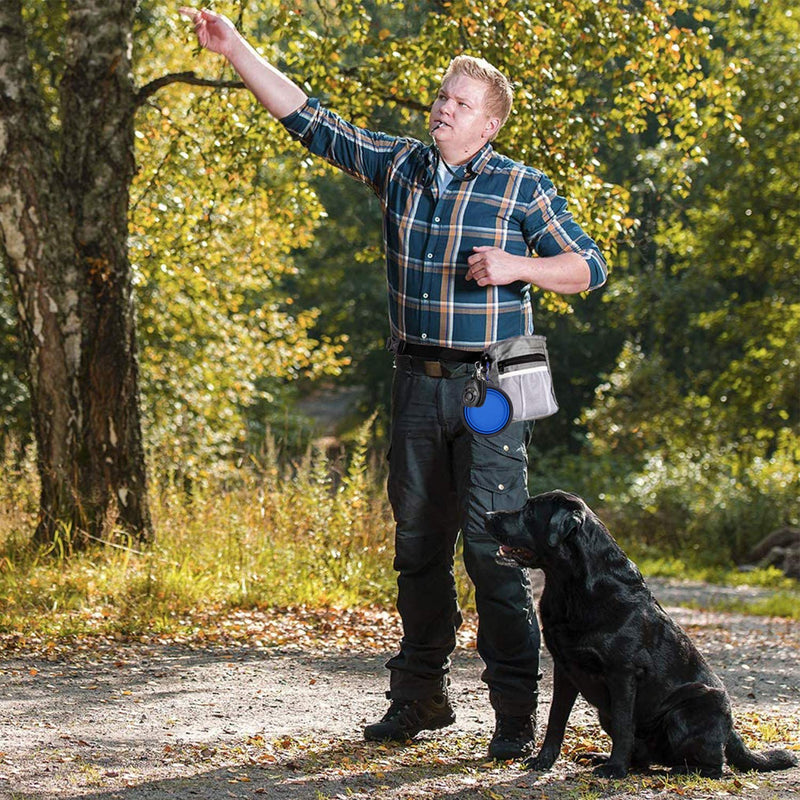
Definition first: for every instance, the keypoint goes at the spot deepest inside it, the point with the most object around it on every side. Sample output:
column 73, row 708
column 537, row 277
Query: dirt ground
column 250, row 718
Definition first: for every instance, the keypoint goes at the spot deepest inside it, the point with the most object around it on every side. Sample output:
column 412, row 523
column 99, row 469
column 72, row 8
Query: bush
column 708, row 508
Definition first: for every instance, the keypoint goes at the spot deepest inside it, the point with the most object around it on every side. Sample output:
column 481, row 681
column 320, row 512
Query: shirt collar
column 481, row 158
column 467, row 171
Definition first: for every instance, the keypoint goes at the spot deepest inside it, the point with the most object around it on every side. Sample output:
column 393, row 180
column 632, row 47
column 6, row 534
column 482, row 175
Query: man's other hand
column 491, row 266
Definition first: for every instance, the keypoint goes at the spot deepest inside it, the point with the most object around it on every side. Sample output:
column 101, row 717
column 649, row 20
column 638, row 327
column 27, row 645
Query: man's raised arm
column 277, row 93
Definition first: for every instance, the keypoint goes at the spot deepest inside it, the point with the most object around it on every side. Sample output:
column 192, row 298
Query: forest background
column 258, row 284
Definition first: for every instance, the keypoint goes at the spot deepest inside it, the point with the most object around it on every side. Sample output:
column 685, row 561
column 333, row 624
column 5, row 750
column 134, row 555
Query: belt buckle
column 433, row 369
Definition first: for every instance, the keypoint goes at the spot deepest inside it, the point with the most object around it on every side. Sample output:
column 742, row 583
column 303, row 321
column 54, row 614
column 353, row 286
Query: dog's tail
column 745, row 759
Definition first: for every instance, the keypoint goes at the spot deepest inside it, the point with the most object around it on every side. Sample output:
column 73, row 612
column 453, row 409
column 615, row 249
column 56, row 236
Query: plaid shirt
column 428, row 236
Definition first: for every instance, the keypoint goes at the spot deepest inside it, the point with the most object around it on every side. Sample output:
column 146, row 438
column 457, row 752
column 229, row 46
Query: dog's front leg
column 564, row 694
column 619, row 725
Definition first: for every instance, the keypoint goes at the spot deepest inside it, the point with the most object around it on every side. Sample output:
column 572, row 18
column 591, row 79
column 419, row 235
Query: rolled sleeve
column 598, row 269
column 550, row 229
column 300, row 123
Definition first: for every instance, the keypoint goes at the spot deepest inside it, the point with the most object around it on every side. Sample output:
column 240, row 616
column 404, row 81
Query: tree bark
column 63, row 229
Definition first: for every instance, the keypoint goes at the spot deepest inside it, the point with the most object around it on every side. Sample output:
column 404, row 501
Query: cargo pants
column 442, row 480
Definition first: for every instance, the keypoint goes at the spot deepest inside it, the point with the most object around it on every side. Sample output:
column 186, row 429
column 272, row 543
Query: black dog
column 611, row 641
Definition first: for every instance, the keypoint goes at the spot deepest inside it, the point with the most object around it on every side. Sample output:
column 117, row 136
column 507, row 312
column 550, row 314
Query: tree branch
column 149, row 89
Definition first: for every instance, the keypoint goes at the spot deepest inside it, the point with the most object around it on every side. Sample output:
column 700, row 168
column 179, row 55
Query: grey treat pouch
column 520, row 367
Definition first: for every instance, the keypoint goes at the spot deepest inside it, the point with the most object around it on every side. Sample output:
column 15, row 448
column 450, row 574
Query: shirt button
column 430, row 255
column 425, row 296
column 501, row 486
column 505, row 447
column 424, row 335
column 437, row 219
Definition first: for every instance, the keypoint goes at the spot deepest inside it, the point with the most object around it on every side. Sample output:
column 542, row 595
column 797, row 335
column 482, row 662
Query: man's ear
column 491, row 127
column 563, row 523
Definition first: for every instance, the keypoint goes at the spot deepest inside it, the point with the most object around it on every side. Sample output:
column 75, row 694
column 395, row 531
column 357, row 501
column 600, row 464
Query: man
column 466, row 233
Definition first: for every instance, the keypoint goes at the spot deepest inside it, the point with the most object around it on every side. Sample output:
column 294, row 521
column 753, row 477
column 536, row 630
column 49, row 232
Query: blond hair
column 499, row 92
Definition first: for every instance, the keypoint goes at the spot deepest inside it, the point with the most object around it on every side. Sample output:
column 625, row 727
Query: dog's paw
column 610, row 770
column 540, row 762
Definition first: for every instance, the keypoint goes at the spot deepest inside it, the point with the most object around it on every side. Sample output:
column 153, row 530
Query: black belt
column 433, row 353
column 433, row 369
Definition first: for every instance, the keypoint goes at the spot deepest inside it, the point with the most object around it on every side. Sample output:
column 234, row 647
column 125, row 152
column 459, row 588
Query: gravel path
column 147, row 720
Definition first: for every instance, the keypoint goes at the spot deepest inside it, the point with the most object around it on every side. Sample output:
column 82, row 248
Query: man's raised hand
column 214, row 32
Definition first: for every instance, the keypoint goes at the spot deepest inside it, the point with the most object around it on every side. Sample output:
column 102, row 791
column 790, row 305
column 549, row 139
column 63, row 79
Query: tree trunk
column 63, row 229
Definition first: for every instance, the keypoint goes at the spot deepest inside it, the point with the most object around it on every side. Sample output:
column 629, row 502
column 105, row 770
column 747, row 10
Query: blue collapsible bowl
column 491, row 417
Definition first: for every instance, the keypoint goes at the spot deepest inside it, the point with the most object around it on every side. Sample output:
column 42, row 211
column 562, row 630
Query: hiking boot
column 514, row 737
column 406, row 718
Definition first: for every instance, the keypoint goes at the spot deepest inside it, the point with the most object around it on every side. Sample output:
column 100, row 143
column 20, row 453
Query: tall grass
column 317, row 531
column 275, row 532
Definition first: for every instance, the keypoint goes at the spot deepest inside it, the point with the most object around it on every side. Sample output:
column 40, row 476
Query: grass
column 304, row 533
column 768, row 577
column 312, row 532
column 783, row 604
column 783, row 601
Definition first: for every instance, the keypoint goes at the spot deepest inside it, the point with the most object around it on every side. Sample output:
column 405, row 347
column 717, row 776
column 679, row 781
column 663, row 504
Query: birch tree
column 63, row 229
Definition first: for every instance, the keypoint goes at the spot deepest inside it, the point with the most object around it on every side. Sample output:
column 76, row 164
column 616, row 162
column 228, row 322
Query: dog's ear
column 563, row 522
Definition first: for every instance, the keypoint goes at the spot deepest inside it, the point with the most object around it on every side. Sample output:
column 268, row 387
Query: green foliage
column 706, row 505
column 342, row 274
column 704, row 399
column 218, row 206
column 669, row 126
column 709, row 507
column 712, row 319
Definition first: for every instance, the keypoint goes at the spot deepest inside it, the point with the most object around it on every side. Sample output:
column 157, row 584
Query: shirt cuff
column 300, row 123
column 598, row 271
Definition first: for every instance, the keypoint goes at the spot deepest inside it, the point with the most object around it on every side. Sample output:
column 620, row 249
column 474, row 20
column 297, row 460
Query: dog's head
column 533, row 535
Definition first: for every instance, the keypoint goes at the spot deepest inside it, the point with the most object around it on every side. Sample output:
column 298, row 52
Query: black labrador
column 611, row 641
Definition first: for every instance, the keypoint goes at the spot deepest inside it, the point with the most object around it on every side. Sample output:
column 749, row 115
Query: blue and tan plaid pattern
column 428, row 236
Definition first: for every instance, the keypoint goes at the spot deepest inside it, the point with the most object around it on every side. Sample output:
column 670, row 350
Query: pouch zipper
column 530, row 358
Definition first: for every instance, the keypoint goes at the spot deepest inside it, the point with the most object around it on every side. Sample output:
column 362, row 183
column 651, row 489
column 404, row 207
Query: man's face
column 459, row 111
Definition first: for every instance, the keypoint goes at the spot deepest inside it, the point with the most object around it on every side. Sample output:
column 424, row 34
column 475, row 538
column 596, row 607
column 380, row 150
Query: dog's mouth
column 515, row 555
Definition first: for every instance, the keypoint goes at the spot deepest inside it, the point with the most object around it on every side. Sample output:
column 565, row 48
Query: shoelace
column 408, row 713
column 399, row 710
column 512, row 728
